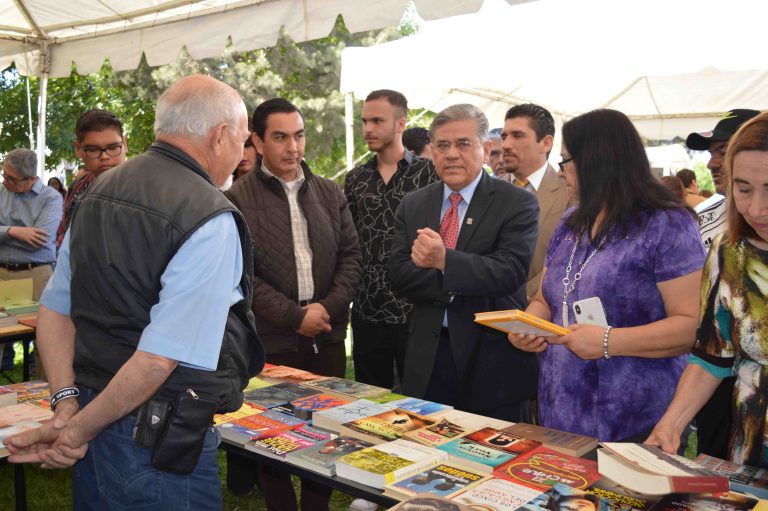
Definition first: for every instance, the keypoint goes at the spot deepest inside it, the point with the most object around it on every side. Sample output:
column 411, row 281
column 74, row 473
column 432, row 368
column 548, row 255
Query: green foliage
column 703, row 177
column 308, row 74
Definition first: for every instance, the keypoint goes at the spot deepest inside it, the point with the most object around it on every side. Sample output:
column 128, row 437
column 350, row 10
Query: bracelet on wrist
column 606, row 356
column 62, row 394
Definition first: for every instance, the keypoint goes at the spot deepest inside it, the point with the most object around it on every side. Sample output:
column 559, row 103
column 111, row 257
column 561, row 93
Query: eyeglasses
column 463, row 146
column 561, row 164
column 94, row 152
column 15, row 180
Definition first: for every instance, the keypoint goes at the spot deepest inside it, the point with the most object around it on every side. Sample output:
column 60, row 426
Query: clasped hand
column 316, row 320
column 428, row 250
column 56, row 444
column 585, row 341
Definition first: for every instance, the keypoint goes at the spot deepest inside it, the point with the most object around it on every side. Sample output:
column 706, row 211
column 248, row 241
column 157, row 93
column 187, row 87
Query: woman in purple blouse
column 631, row 244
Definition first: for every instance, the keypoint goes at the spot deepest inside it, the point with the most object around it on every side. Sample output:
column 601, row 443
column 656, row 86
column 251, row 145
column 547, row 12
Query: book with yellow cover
column 518, row 322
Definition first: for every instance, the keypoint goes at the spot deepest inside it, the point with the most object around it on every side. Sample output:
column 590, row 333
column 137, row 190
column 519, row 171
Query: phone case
column 590, row 312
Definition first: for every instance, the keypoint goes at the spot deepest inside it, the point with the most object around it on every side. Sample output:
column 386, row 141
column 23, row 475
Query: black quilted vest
column 125, row 231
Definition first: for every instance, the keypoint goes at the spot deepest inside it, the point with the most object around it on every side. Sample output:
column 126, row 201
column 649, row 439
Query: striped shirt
column 301, row 247
column 40, row 207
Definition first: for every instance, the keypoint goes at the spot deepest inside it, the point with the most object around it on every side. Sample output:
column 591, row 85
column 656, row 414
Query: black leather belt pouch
column 180, row 443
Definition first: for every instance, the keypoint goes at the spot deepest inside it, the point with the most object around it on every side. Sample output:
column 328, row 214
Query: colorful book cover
column 420, row 406
column 497, row 495
column 449, row 426
column 279, row 445
column 289, row 374
column 349, row 388
column 565, row 498
column 542, row 468
column 305, row 407
column 277, row 395
column 386, row 426
column 34, row 390
column 475, row 455
column 387, row 398
column 255, row 426
column 442, row 480
column 246, row 410
column 333, row 418
column 705, row 502
column 7, row 396
column 22, row 412
column 623, row 497
column 561, row 441
column 322, row 457
column 743, row 478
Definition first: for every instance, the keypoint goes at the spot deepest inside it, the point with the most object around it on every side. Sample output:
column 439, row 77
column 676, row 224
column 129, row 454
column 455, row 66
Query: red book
column 542, row 468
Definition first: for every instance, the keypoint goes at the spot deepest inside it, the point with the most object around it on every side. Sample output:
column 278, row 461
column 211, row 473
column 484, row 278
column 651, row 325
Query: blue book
column 419, row 406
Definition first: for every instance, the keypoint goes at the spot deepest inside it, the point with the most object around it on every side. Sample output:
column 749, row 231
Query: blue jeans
column 117, row 474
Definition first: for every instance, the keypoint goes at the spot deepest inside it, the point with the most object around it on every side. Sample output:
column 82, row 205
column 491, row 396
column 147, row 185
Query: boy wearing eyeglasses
column 100, row 144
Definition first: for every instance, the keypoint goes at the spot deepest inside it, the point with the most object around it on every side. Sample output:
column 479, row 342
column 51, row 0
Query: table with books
column 387, row 448
column 23, row 331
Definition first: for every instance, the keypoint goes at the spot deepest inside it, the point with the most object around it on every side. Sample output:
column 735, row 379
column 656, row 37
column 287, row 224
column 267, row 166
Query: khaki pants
column 39, row 276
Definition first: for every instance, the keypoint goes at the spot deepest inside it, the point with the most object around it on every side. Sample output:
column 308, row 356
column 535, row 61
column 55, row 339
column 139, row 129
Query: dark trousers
column 446, row 387
column 713, row 422
column 378, row 348
column 275, row 484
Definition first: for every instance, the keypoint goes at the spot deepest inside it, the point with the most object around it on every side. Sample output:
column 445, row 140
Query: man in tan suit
column 527, row 137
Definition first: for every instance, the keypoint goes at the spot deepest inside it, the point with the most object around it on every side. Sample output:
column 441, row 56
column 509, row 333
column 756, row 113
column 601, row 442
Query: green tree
column 703, row 177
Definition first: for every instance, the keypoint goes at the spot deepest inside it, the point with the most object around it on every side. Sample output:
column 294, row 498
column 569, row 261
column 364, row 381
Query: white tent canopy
column 662, row 62
column 44, row 37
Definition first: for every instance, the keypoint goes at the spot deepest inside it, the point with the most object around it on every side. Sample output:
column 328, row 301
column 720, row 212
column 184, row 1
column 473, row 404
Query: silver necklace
column 568, row 284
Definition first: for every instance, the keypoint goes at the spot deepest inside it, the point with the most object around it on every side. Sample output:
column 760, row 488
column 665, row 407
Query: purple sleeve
column 679, row 250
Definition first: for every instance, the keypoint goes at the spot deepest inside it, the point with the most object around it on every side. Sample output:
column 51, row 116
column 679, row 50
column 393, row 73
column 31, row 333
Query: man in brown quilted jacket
column 307, row 266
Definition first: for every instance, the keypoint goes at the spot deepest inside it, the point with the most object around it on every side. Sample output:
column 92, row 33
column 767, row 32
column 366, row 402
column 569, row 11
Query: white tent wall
column 672, row 65
column 45, row 37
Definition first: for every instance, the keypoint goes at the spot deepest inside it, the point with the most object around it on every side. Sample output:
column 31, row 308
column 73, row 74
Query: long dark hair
column 613, row 172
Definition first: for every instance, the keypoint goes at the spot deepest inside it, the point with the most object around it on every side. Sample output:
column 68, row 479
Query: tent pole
column 349, row 109
column 29, row 116
column 42, row 105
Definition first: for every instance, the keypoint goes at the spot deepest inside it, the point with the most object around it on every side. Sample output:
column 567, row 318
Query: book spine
column 414, row 469
column 700, row 484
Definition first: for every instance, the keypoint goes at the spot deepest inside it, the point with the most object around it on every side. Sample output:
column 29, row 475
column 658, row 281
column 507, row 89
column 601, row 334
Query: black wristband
column 62, row 394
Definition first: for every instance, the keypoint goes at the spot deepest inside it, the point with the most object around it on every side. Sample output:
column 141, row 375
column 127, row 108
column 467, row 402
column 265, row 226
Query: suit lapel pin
column 469, row 221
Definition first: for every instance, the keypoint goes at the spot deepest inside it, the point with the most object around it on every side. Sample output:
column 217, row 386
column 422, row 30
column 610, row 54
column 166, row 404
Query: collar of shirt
column 405, row 161
column 37, row 187
column 535, row 178
column 466, row 197
column 289, row 186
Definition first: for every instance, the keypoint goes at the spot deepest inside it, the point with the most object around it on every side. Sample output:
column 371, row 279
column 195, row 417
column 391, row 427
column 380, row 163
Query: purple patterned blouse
column 623, row 396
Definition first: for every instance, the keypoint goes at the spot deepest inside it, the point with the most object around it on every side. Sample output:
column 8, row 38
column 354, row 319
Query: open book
column 518, row 322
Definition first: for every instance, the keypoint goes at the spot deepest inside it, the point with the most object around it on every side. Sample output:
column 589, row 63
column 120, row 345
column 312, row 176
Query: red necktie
column 449, row 227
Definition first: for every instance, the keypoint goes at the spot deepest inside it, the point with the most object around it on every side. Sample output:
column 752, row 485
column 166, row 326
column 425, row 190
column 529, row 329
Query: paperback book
column 518, row 322
column 279, row 374
column 8, row 396
column 33, row 391
column 648, row 469
column 497, row 495
column 626, row 499
column 487, row 449
column 420, row 406
column 279, row 445
column 571, row 444
column 243, row 430
column 385, row 463
column 246, row 410
column 333, row 418
column 384, row 427
column 705, row 502
column 449, row 426
column 305, row 407
column 321, row 458
column 443, row 480
column 15, row 429
column 347, row 388
column 542, row 468
column 22, row 412
column 278, row 395
column 565, row 498
column 743, row 478
column 427, row 502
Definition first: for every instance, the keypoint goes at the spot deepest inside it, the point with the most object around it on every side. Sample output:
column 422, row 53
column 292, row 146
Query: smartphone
column 590, row 312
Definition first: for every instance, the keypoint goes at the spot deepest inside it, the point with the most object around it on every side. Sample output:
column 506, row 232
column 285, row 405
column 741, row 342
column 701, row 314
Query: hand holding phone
column 590, row 311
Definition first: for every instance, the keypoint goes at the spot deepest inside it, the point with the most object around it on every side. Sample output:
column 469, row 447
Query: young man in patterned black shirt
column 374, row 191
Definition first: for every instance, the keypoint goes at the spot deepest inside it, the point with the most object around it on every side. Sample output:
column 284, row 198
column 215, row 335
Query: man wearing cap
column 714, row 420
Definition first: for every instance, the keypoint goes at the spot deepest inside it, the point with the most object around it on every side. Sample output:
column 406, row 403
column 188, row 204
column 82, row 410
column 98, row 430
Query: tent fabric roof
column 660, row 59
column 88, row 31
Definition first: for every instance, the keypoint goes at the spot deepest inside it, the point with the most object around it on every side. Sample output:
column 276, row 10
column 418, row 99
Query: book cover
column 8, row 396
column 333, row 418
column 348, row 388
column 15, row 429
column 487, row 448
column 497, row 495
column 246, row 410
column 542, row 468
column 626, row 499
column 241, row 431
column 420, row 406
column 519, row 322
column 743, row 478
column 382, row 464
column 561, row 441
column 647, row 469
column 279, row 445
column 443, row 480
column 386, row 398
column 705, row 502
column 22, row 412
column 386, row 426
column 32, row 391
column 427, row 502
column 305, row 407
column 451, row 425
column 256, row 383
column 322, row 457
column 565, row 498
column 278, row 395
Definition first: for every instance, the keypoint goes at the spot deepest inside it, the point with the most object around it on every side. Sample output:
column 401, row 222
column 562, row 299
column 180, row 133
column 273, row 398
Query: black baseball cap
column 725, row 128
